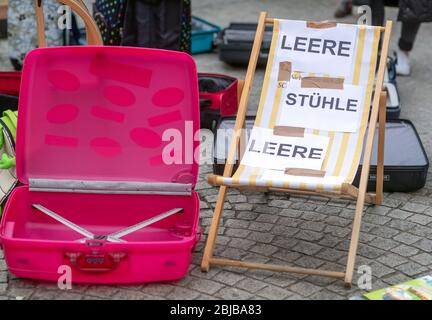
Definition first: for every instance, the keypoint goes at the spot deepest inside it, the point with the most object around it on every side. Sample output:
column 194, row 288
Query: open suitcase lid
column 108, row 118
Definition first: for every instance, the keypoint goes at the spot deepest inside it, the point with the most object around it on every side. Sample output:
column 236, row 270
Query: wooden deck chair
column 343, row 149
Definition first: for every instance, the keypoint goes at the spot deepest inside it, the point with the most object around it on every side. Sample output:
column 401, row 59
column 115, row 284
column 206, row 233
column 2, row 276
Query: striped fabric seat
column 344, row 148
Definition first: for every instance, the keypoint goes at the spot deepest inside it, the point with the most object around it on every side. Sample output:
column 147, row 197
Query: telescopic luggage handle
column 93, row 35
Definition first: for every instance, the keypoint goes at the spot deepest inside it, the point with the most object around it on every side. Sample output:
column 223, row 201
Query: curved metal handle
column 93, row 35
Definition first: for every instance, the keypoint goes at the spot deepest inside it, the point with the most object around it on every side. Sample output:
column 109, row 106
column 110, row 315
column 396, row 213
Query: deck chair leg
column 354, row 241
column 211, row 238
column 380, row 159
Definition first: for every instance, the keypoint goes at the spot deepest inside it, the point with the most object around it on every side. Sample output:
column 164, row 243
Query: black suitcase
column 405, row 160
column 235, row 43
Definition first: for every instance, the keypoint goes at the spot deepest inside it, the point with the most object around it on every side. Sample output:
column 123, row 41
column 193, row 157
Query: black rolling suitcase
column 235, row 43
column 405, row 160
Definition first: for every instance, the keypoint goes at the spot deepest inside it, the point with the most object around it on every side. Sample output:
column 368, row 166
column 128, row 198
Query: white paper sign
column 266, row 150
column 322, row 109
column 324, row 51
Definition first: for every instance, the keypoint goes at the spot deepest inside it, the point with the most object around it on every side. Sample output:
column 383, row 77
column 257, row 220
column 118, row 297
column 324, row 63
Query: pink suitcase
column 94, row 131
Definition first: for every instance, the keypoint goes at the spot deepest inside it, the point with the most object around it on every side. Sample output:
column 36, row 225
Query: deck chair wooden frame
column 378, row 111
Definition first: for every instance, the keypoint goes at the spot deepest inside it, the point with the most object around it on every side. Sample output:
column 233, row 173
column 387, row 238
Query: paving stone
column 284, row 230
column 205, row 286
column 411, row 268
column 242, row 206
column 280, row 203
column 157, row 289
column 424, row 244
column 312, row 225
column 251, row 285
column 338, row 203
column 421, row 219
column 329, row 241
column 228, row 278
column 339, row 221
column 281, row 280
column 376, row 219
column 261, row 237
column 268, row 218
column 230, row 293
column 379, row 270
column 180, row 293
column 414, row 207
column 309, row 262
column 236, row 198
column 241, row 233
column 309, row 235
column 272, row 292
column 391, row 260
column 286, row 256
column 1, row 254
column 289, row 222
column 66, row 295
column 326, row 295
column 241, row 243
column 401, row 225
column 403, row 197
column 337, row 231
column 329, row 210
column 379, row 210
column 41, row 294
column 246, row 215
column 423, row 258
column 422, row 231
column 304, row 289
column 400, row 214
column 257, row 199
column 383, row 243
column 3, row 276
column 303, row 206
column 3, row 266
column 330, row 254
column 3, row 288
column 230, row 253
column 314, row 216
column 20, row 293
column 404, row 250
column 394, row 279
column 290, row 213
column 238, row 224
column 370, row 252
column 101, row 291
column 260, row 226
column 385, row 232
column 264, row 249
column 307, row 248
column 406, row 238
column 392, row 203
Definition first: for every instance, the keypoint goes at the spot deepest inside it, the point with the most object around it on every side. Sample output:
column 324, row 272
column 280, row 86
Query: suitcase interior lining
column 100, row 214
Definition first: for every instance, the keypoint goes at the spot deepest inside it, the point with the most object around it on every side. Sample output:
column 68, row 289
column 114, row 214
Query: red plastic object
column 225, row 100
column 10, row 83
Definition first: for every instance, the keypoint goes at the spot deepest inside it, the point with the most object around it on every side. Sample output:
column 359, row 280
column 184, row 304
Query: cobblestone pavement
column 396, row 240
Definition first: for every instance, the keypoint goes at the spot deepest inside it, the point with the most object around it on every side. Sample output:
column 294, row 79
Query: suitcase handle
column 95, row 261
column 93, row 35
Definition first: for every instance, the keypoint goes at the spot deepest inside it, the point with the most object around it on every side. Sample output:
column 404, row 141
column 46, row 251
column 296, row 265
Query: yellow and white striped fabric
column 344, row 149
